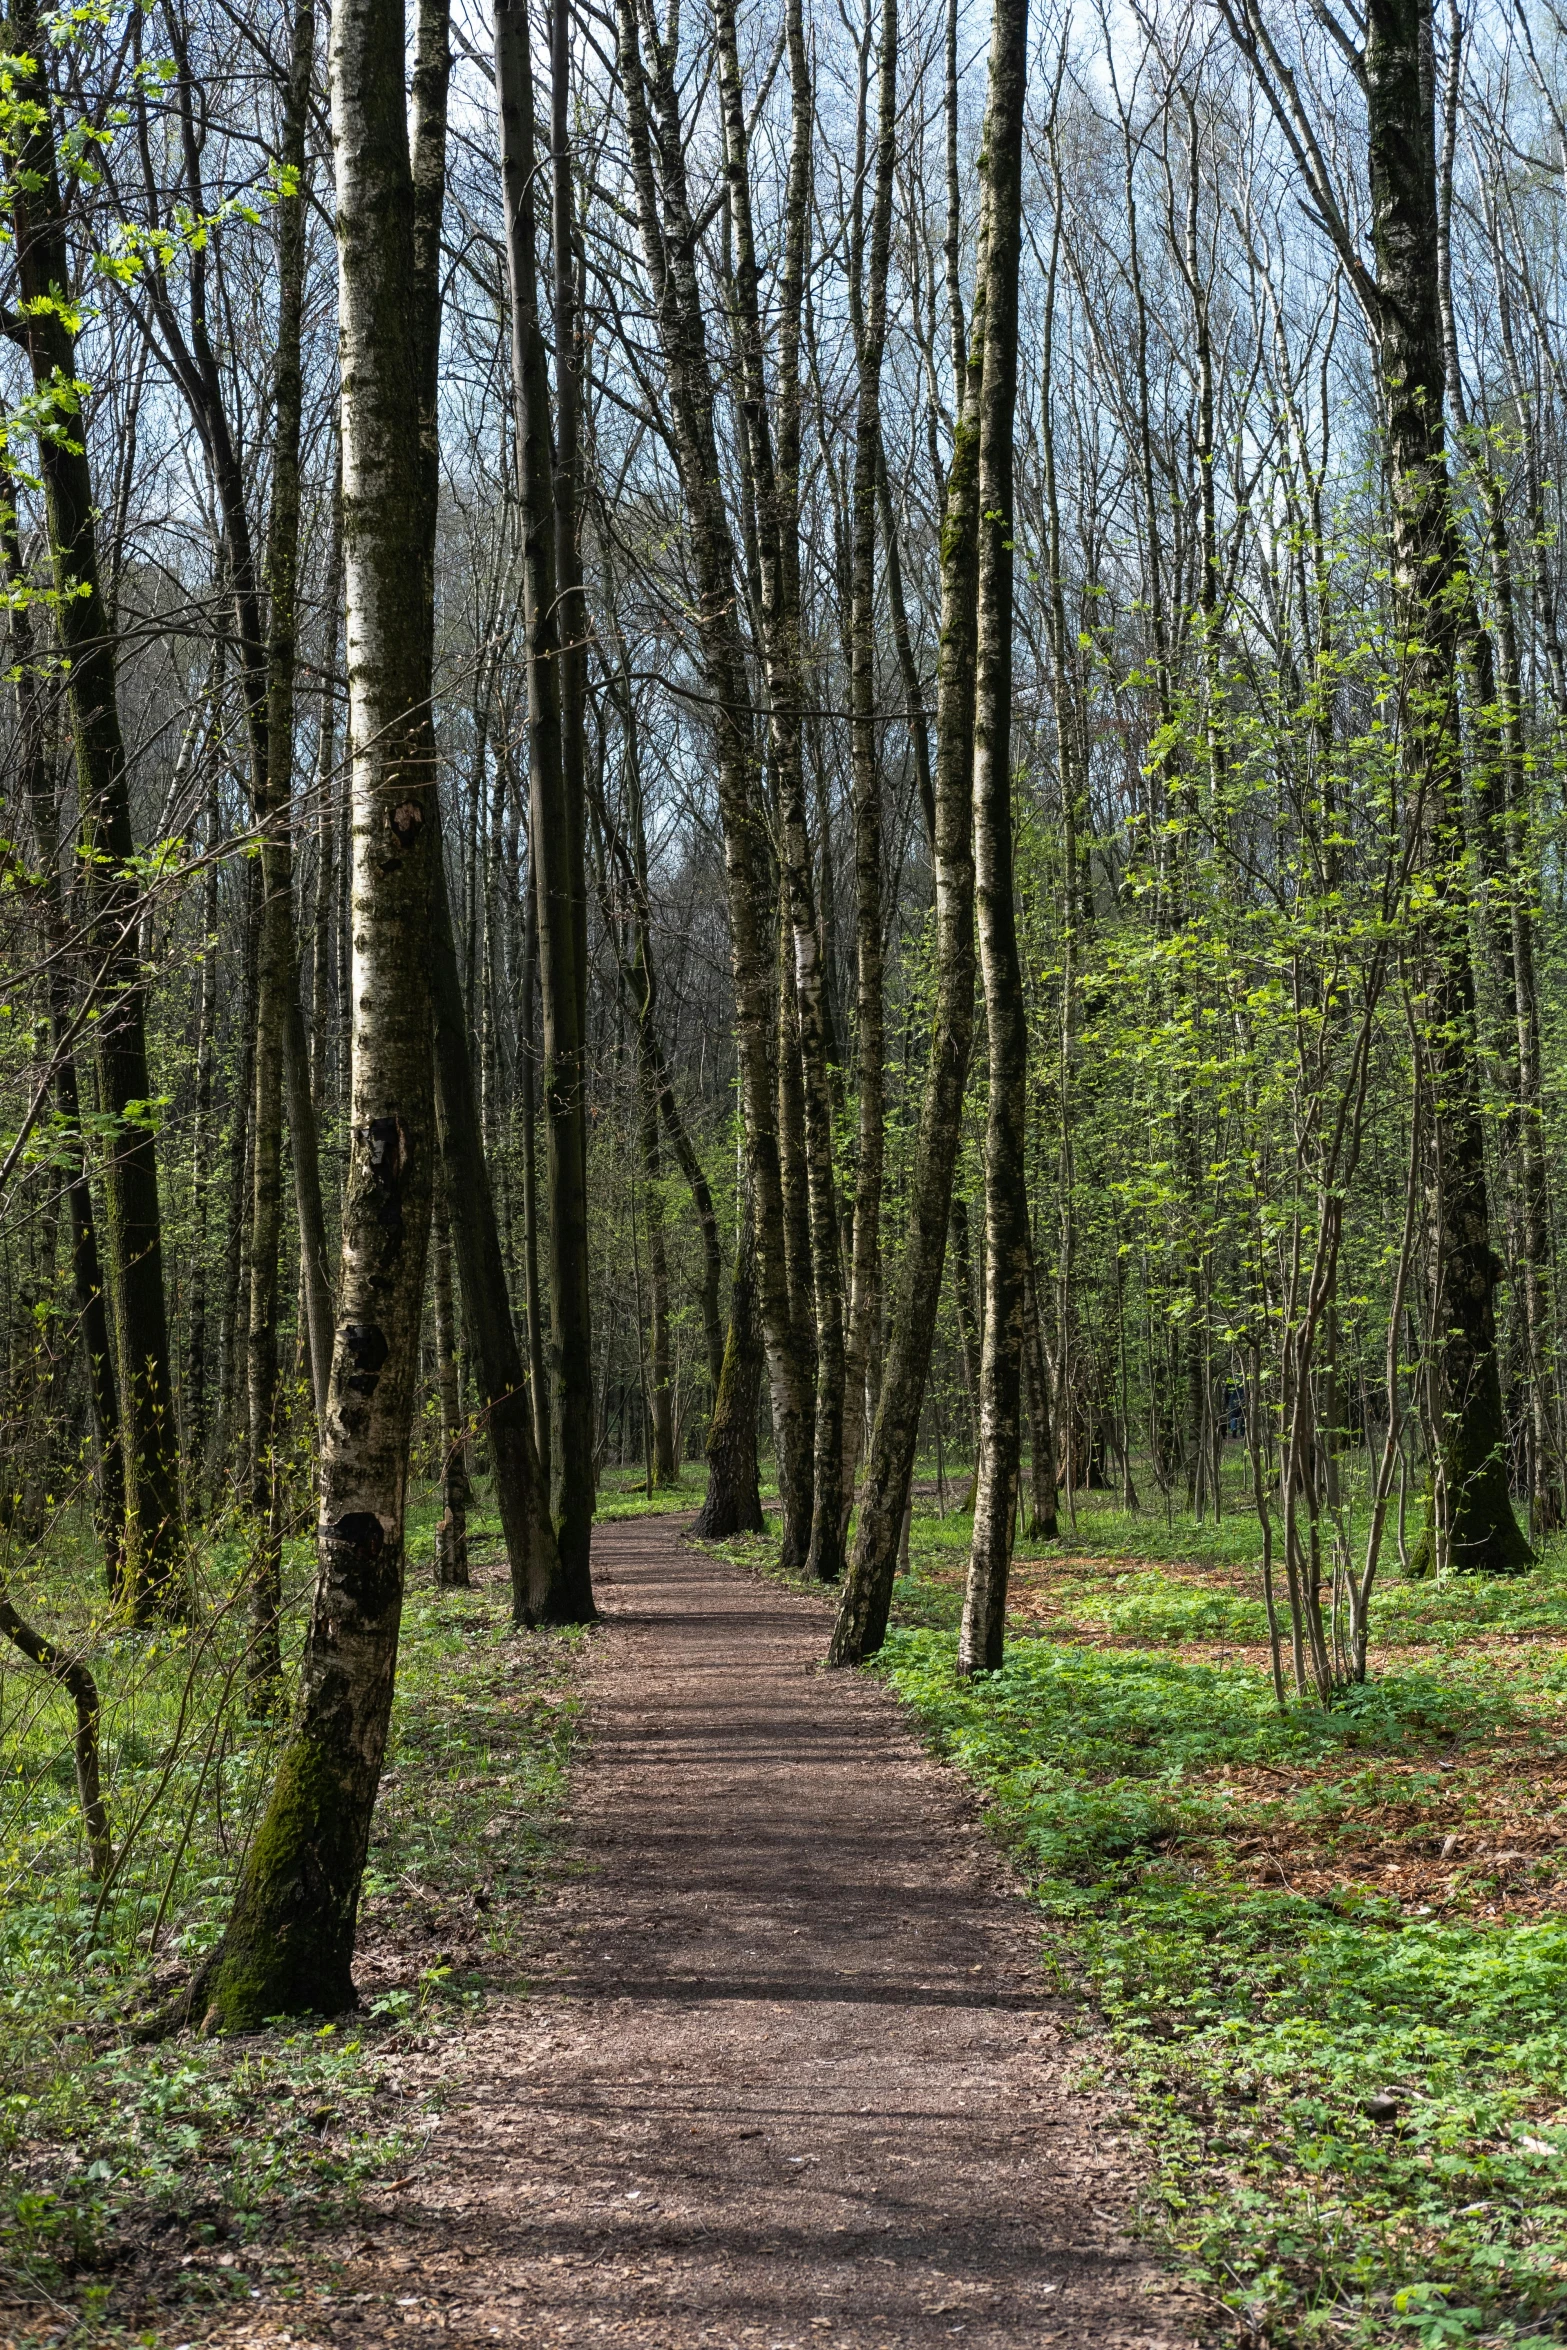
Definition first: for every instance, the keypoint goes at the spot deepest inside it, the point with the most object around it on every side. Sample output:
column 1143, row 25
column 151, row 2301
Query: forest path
column 789, row 2072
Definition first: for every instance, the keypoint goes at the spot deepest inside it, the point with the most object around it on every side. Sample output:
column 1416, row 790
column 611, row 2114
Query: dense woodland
column 825, row 743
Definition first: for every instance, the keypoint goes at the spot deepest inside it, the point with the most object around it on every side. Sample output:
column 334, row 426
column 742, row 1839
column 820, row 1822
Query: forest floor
column 1329, row 1945
column 777, row 2065
column 701, row 2004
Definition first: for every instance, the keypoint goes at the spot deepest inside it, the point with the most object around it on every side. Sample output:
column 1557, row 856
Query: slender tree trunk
column 867, row 1597
column 75, row 1679
column 774, row 472
column 574, row 623
column 794, row 1168
column 1505, row 859
column 863, row 1366
column 92, row 1312
column 669, row 244
column 197, row 1412
column 1042, row 1465
column 1006, row 1201
column 288, row 1945
column 323, row 977
column 451, row 1533
column 267, row 661
column 555, row 780
column 282, row 571
column 277, row 976
column 663, row 1465
column 908, row 667
column 968, row 1320
column 537, row 1381
column 707, row 1219
column 540, row 1592
column 640, row 979
column 234, row 1319
column 733, row 1502
column 154, row 1568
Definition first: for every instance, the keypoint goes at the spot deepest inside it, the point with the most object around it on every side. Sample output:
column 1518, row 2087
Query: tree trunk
column 867, row 1597
column 963, row 1287
column 232, row 1328
column 663, row 1467
column 267, row 662
column 197, row 1371
column 288, row 1945
column 575, row 626
column 1042, row 1463
column 92, row 1313
column 863, row 1354
column 733, row 1503
column 451, row 1533
column 669, row 244
column 538, row 1384
column 79, row 1685
column 554, row 771
column 540, row 1593
column 323, row 977
column 277, row 975
column 640, row 979
column 1006, row 1202
column 774, row 475
column 1506, row 861
column 795, row 1175
column 1428, row 571
column 154, row 1566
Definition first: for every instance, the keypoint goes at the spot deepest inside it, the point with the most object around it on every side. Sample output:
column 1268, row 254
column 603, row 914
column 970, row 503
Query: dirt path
column 790, row 2074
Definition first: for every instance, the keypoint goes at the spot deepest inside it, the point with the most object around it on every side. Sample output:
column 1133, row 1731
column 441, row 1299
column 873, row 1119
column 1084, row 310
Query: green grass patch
column 1358, row 2112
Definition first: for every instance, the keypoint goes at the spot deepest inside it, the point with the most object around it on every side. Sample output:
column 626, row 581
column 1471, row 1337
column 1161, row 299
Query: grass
column 623, row 1493
column 1329, row 1946
column 122, row 2162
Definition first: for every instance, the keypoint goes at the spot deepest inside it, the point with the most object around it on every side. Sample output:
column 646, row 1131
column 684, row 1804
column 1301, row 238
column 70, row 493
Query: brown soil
column 788, row 2071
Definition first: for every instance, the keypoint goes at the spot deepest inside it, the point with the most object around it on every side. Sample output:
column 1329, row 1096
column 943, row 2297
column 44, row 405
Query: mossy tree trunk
column 288, row 1945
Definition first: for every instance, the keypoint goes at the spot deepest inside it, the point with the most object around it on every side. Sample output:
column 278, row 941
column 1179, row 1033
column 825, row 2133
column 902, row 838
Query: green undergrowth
column 1355, row 2099
column 1120, row 1577
column 623, row 1493
column 118, row 2154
